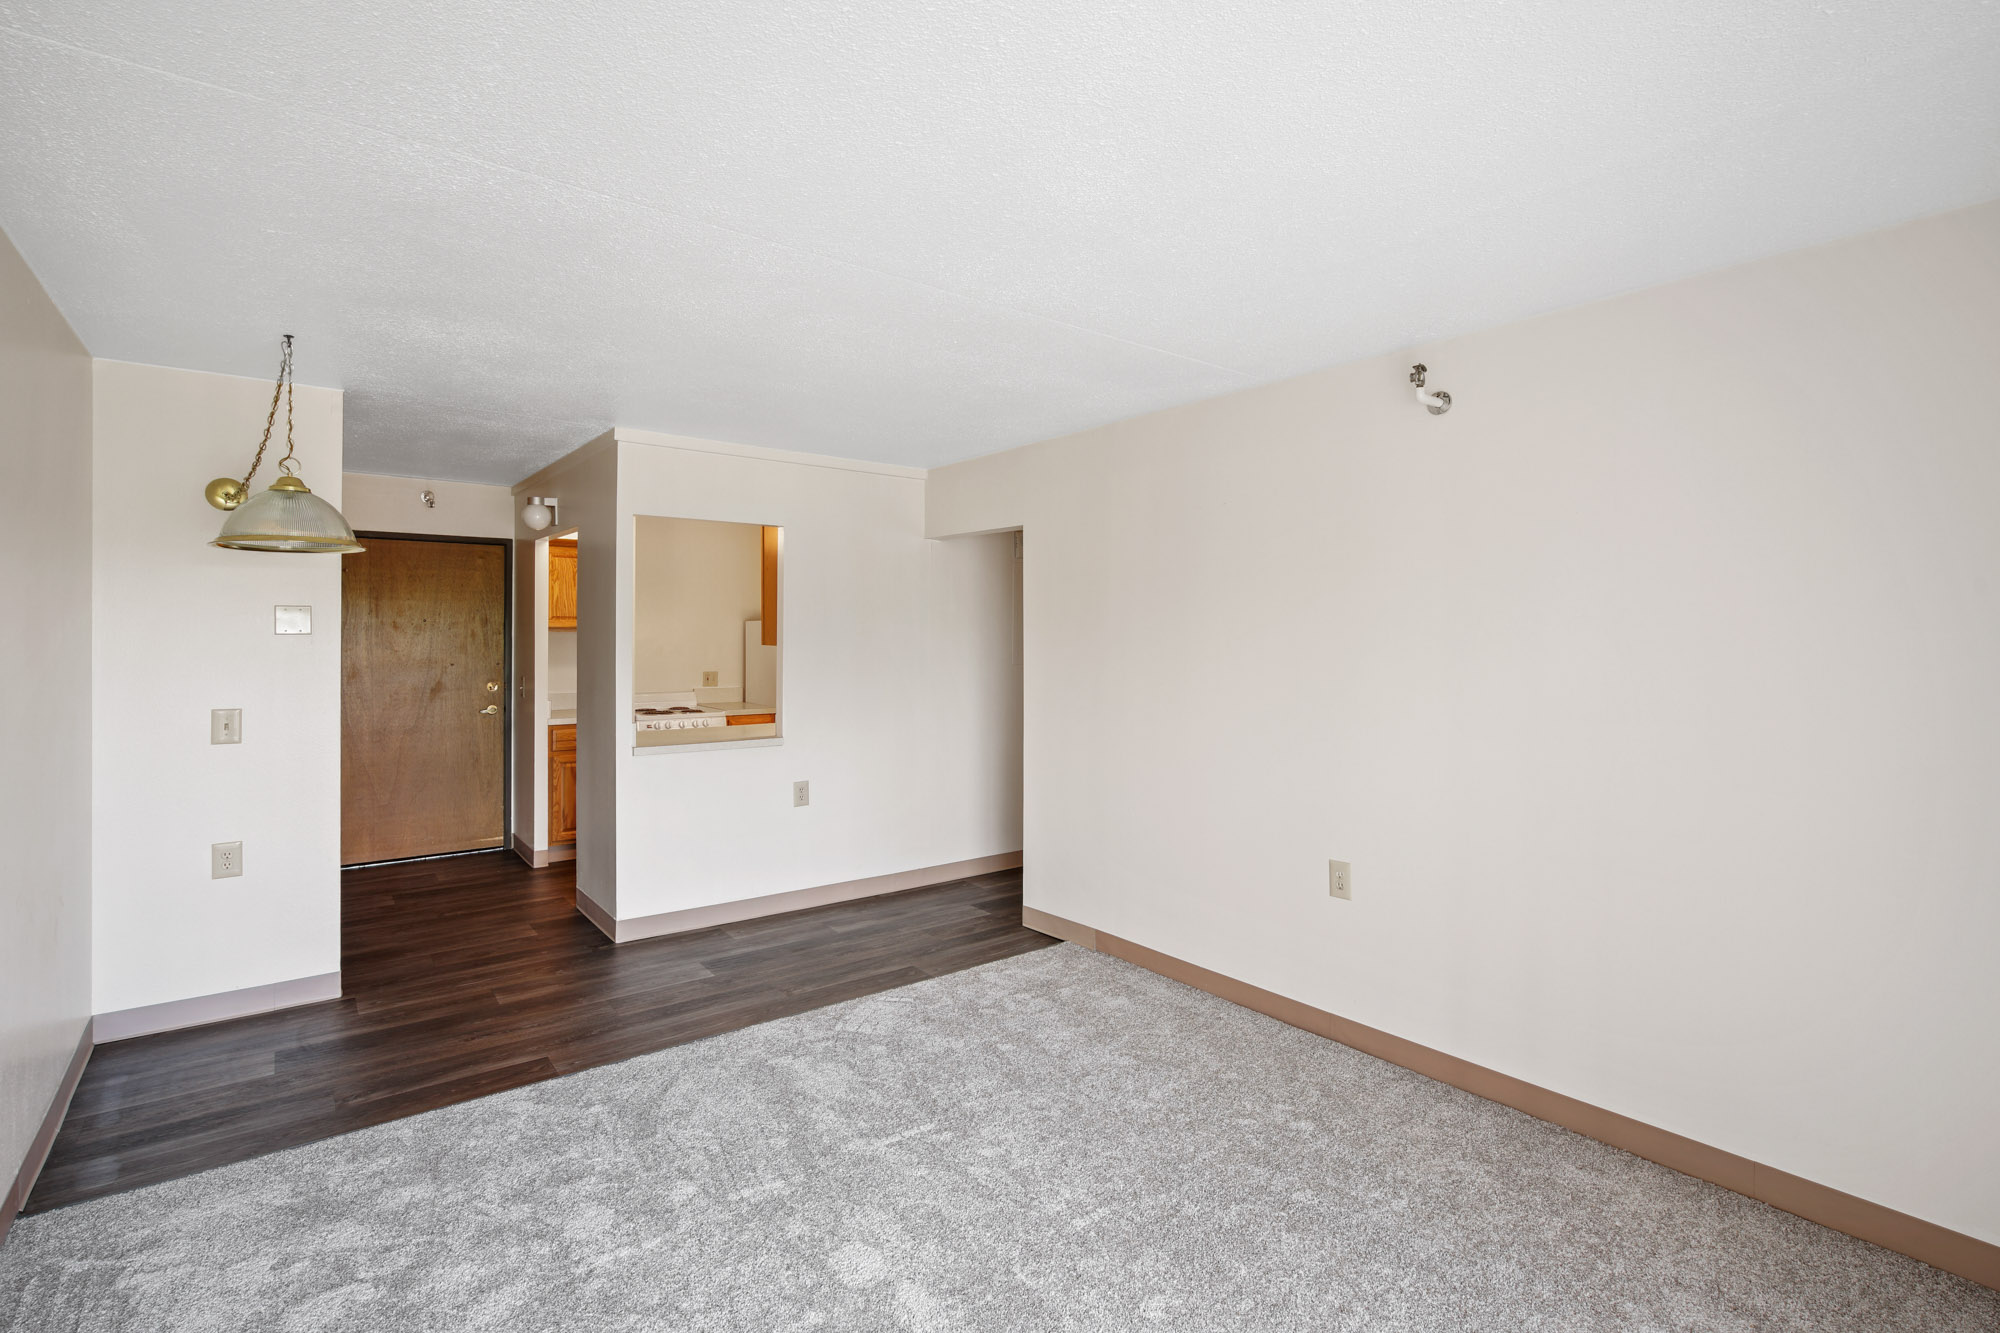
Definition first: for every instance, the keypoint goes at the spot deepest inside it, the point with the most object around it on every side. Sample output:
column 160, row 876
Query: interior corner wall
column 181, row 627
column 1650, row 693
column 374, row 503
column 897, row 696
column 45, row 692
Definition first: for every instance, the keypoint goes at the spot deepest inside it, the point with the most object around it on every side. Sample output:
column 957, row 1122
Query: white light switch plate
column 293, row 620
column 225, row 726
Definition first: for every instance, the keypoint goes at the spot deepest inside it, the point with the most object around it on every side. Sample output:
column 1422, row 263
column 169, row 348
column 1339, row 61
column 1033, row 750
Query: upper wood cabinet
column 562, row 583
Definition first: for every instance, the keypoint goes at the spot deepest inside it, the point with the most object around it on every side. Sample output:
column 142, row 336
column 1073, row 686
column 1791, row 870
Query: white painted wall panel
column 375, row 503
column 899, row 698
column 1650, row 693
column 45, row 695
column 181, row 627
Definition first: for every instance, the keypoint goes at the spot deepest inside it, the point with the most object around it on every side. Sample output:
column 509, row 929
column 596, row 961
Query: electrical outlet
column 1340, row 879
column 225, row 860
column 225, row 726
column 710, row 679
column 802, row 793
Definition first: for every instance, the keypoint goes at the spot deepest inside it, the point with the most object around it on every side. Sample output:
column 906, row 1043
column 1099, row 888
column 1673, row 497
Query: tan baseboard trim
column 797, row 900
column 597, row 916
column 541, row 857
column 1048, row 923
column 199, row 1009
column 45, row 1137
column 1940, row 1247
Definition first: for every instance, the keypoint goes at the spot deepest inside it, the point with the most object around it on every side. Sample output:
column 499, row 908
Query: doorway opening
column 424, row 697
column 557, row 631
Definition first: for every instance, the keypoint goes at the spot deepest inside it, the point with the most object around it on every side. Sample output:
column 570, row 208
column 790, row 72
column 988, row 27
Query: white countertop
column 727, row 710
column 564, row 717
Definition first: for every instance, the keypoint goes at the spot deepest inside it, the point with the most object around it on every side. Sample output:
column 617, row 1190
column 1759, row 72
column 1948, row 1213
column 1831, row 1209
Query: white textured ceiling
column 915, row 231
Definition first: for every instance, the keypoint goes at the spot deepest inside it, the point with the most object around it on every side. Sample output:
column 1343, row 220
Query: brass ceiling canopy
column 287, row 516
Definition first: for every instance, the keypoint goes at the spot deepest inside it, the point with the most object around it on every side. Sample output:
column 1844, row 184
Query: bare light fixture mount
column 288, row 516
column 1438, row 403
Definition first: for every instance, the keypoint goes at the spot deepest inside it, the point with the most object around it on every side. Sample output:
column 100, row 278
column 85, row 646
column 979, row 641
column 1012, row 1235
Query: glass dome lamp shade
column 287, row 517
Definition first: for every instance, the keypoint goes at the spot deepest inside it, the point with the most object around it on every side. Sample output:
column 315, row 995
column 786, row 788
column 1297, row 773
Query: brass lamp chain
column 278, row 390
column 285, row 463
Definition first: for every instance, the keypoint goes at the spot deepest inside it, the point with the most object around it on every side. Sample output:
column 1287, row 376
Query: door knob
column 493, row 687
column 490, row 709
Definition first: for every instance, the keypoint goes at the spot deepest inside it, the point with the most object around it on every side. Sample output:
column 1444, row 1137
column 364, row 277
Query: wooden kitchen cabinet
column 562, row 784
column 562, row 583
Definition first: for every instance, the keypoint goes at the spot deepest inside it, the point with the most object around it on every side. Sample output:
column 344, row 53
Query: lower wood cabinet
column 562, row 784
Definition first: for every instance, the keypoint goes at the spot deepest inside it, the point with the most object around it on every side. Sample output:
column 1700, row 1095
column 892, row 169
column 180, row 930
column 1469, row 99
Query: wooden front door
column 423, row 699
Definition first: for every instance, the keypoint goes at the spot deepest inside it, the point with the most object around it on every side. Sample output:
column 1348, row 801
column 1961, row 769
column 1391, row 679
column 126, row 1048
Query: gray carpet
column 1058, row 1141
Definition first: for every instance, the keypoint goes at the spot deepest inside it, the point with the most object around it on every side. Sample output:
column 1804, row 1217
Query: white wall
column 181, row 627
column 375, row 503
column 694, row 584
column 898, row 695
column 1651, row 693
column 561, row 673
column 45, row 695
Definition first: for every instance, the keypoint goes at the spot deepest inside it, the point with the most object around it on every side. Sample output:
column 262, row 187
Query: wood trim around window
column 769, row 581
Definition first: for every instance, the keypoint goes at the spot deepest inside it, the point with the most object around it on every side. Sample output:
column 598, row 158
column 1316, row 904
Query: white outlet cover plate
column 225, row 860
column 292, row 620
column 1340, row 879
column 802, row 793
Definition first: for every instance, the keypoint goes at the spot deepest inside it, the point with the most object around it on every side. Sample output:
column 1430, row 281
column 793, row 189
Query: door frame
column 506, row 675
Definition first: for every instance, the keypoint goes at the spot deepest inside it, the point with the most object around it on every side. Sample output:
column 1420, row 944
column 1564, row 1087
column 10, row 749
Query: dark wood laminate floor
column 472, row 975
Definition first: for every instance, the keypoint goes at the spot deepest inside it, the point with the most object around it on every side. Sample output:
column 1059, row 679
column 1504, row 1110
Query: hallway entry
column 423, row 702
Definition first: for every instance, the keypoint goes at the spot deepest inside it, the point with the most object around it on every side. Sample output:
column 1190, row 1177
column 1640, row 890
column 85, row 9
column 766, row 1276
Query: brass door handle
column 490, row 709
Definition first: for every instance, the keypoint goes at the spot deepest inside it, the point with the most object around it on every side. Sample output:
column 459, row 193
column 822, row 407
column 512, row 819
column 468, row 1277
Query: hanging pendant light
column 288, row 516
